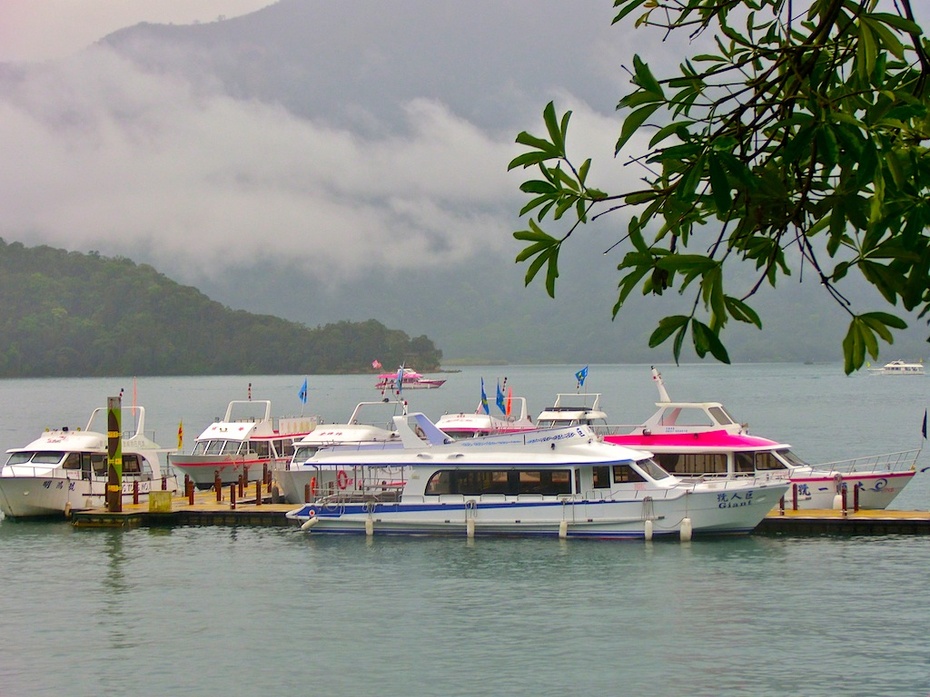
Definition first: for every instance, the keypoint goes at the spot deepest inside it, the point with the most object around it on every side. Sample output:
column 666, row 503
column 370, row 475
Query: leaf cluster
column 799, row 141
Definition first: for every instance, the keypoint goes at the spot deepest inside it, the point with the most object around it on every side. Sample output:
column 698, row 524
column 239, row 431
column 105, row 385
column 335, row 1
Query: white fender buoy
column 563, row 529
column 647, row 530
column 470, row 528
column 67, row 509
column 686, row 530
column 310, row 523
column 369, row 526
column 838, row 502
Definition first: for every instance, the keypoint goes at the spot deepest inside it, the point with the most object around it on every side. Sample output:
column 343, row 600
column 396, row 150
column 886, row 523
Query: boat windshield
column 304, row 452
column 456, row 434
column 652, row 468
column 792, row 459
column 40, row 457
column 231, row 447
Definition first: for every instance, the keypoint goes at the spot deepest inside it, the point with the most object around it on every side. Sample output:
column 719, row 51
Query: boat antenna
column 657, row 379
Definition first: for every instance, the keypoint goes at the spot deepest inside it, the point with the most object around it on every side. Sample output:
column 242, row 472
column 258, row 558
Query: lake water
column 240, row 611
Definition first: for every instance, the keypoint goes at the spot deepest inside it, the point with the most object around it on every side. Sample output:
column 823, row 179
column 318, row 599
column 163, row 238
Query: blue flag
column 500, row 399
column 302, row 393
column 581, row 375
column 484, row 399
column 400, row 379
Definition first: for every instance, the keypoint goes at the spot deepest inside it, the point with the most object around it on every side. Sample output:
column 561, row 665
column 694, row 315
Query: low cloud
column 101, row 155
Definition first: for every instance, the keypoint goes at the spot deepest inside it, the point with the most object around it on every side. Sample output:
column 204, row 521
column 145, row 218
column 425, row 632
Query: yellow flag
column 180, row 433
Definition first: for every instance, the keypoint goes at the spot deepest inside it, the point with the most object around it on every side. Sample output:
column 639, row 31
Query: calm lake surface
column 245, row 611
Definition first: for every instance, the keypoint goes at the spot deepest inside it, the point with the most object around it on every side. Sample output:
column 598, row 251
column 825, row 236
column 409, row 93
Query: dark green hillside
column 69, row 314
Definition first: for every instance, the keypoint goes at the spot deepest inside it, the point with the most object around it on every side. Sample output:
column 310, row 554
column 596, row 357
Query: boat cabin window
column 132, row 464
column 72, row 461
column 19, row 458
column 753, row 462
column 625, row 473
column 508, row 482
column 601, row 475
column 744, row 463
column 284, row 447
column 200, row 448
column 693, row 463
column 214, row 447
column 259, row 447
column 767, row 460
column 99, row 463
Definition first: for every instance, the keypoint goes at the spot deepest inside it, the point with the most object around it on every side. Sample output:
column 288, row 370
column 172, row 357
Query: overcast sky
column 36, row 30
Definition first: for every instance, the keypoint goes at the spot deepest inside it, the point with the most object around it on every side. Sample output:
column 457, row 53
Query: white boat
column 247, row 441
column 409, row 379
column 574, row 409
column 370, row 423
column 899, row 368
column 480, row 423
column 701, row 439
column 65, row 470
column 555, row 482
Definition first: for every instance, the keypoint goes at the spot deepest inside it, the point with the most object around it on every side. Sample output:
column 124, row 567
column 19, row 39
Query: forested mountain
column 70, row 314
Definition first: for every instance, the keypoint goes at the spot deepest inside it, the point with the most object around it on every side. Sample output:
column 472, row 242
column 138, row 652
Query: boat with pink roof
column 701, row 439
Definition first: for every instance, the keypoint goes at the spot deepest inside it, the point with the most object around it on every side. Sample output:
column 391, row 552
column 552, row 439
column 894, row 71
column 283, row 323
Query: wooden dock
column 206, row 510
column 806, row 523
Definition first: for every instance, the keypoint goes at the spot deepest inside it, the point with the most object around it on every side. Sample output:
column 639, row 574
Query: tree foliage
column 799, row 141
column 71, row 314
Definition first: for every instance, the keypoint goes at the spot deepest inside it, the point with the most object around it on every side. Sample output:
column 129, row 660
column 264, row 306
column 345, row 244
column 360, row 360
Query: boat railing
column 614, row 429
column 889, row 462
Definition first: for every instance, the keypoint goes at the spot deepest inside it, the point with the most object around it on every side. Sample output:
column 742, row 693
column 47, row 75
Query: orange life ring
column 342, row 479
column 313, row 485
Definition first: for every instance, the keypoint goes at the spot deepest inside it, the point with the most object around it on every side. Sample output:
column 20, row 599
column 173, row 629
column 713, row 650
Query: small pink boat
column 406, row 379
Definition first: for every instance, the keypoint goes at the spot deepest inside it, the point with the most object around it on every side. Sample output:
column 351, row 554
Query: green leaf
column 532, row 141
column 628, row 7
column 741, row 312
column 556, row 132
column 667, row 327
column 705, row 339
column 853, row 347
column 719, row 185
column 537, row 186
column 643, row 77
column 529, row 159
column 632, row 123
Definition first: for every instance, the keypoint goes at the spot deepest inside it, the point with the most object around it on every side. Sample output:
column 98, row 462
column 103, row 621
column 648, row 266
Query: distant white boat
column 481, row 423
column 899, row 368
